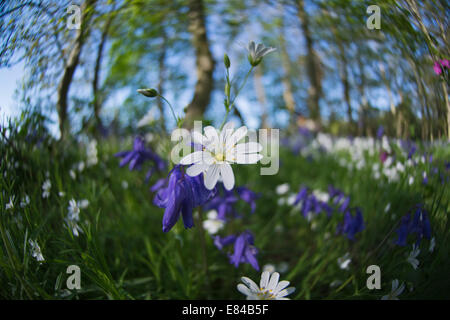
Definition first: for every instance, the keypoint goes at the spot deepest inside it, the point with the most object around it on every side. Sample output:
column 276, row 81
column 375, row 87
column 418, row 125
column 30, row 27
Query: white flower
column 25, row 201
column 395, row 292
column 74, row 216
column 411, row 180
column 46, row 188
column 388, row 207
column 257, row 52
column 72, row 174
column 269, row 268
column 36, row 250
column 282, row 189
column 10, row 204
column 412, row 257
column 269, row 287
column 124, row 184
column 80, row 166
column 219, row 151
column 212, row 224
column 432, row 244
column 74, row 210
column 83, row 204
column 91, row 152
column 335, row 283
column 344, row 261
column 61, row 194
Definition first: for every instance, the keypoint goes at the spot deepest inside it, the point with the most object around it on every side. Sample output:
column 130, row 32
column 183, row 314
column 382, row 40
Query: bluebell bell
column 136, row 157
column 351, row 224
column 225, row 201
column 419, row 224
column 181, row 195
column 380, row 132
column 244, row 249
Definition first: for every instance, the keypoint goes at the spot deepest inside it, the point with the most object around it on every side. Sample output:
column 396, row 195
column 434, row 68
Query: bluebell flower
column 419, row 225
column 245, row 251
column 136, row 157
column 248, row 196
column 351, row 224
column 181, row 195
column 225, row 201
column 380, row 132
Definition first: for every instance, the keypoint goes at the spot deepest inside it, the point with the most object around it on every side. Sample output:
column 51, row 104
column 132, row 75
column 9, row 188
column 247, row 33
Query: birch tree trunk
column 204, row 63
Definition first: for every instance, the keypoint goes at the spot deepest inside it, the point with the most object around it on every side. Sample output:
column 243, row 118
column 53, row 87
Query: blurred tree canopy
column 330, row 70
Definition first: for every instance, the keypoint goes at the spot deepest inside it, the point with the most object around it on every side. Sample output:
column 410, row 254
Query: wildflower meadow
column 213, row 156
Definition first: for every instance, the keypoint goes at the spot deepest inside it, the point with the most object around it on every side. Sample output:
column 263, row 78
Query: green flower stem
column 231, row 106
column 171, row 109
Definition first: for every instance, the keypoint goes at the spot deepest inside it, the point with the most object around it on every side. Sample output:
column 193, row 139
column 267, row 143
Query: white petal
column 211, row 134
column 236, row 137
column 193, row 157
column 196, row 169
column 281, row 285
column 227, row 176
column 250, row 283
column 285, row 292
column 250, row 147
column 248, row 158
column 227, row 131
column 243, row 289
column 264, row 279
column 273, row 281
column 198, row 138
column 211, row 176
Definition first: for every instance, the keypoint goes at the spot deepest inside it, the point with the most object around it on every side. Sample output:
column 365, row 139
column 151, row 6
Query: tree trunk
column 314, row 90
column 69, row 70
column 288, row 95
column 97, row 102
column 161, row 76
column 204, row 64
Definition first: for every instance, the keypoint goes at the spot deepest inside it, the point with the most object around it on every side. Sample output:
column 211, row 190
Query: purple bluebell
column 245, row 251
column 351, row 224
column 225, row 201
column 419, row 224
column 311, row 204
column 181, row 195
column 136, row 157
column 380, row 132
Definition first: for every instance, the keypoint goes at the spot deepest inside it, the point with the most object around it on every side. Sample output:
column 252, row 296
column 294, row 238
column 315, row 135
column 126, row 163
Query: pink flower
column 439, row 65
column 437, row 68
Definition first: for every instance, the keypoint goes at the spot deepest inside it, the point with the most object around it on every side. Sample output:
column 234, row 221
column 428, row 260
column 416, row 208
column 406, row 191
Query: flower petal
column 250, row 158
column 196, row 169
column 273, row 281
column 250, row 284
column 211, row 176
column 227, row 176
column 264, row 279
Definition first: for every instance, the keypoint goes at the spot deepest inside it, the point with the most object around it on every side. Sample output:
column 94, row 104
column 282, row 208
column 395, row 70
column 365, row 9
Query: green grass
column 123, row 253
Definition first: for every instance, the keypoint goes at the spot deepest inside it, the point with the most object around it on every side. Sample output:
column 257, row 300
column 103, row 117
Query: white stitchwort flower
column 395, row 292
column 212, row 225
column 282, row 189
column 219, row 151
column 269, row 268
column 412, row 258
column 46, row 188
column 344, row 261
column 269, row 287
column 432, row 244
column 73, row 217
column 36, row 250
column 25, row 201
column 10, row 204
column 256, row 52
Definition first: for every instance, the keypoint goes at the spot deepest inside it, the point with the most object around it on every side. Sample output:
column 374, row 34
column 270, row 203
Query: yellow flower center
column 219, row 157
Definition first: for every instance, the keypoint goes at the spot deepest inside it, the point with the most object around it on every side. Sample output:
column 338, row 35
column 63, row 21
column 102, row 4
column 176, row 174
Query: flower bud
column 226, row 61
column 151, row 93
